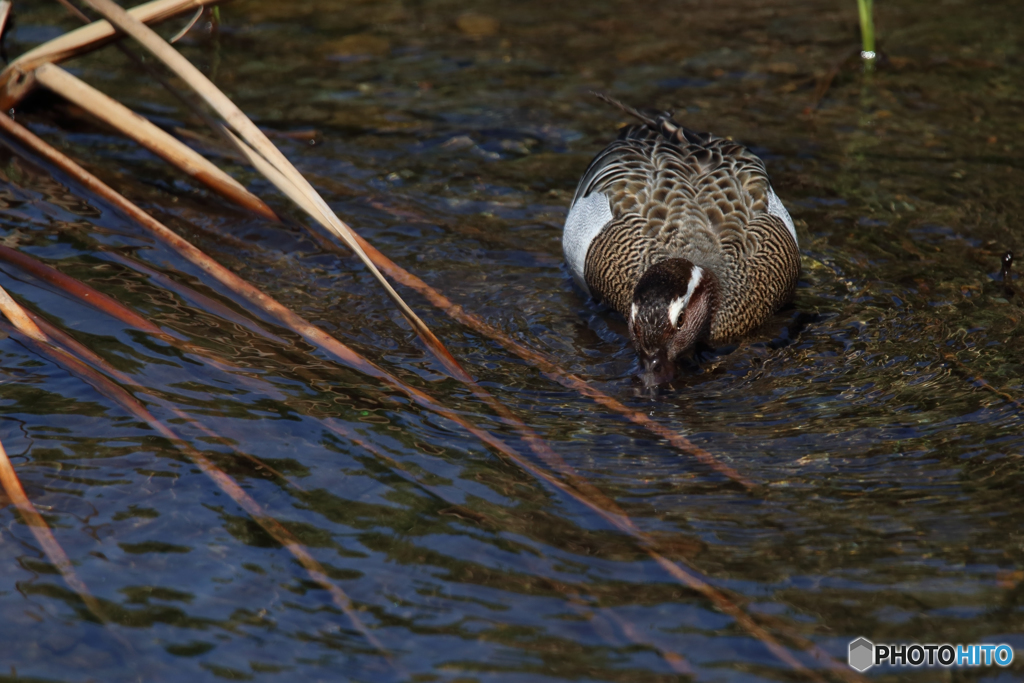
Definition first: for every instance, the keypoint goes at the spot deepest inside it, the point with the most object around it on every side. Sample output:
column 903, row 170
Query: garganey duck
column 682, row 234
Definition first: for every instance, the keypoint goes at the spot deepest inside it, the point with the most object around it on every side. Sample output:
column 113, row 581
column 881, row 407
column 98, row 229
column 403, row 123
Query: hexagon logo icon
column 862, row 654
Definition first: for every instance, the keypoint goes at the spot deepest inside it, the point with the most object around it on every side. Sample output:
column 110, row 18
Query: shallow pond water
column 879, row 418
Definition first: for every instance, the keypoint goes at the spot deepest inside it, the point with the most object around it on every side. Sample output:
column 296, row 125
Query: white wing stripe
column 585, row 221
column 776, row 208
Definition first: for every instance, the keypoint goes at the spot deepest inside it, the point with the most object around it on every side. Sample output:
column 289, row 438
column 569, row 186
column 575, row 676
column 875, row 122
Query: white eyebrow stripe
column 675, row 309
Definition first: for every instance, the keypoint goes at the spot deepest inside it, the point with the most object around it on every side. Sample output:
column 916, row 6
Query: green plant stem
column 867, row 33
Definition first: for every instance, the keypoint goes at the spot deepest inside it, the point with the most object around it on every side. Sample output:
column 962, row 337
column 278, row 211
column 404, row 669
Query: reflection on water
column 880, row 415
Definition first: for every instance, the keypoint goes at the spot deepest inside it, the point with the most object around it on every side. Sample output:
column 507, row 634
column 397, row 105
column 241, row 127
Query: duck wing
column 685, row 185
column 662, row 191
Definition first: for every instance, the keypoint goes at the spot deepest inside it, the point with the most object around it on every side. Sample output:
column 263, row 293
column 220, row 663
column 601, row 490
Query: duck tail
column 660, row 121
column 646, row 118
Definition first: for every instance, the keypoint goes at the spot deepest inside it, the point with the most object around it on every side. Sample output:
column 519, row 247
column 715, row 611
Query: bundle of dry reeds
column 39, row 68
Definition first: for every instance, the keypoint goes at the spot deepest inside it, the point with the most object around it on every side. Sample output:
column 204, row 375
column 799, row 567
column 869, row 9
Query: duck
column 681, row 233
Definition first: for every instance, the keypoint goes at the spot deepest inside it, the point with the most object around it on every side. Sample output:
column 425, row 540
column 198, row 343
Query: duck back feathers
column 663, row 191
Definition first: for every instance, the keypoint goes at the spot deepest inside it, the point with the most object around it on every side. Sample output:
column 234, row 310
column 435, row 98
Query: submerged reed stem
column 41, row 530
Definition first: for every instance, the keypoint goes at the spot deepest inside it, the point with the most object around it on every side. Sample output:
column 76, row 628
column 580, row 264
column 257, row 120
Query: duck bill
column 657, row 370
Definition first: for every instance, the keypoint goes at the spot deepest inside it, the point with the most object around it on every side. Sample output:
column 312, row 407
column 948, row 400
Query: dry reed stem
column 650, row 546
column 39, row 528
column 129, row 403
column 195, row 297
column 186, row 99
column 153, row 138
column 5, row 12
column 326, row 342
column 15, row 79
column 66, row 341
column 188, row 27
column 248, row 131
column 19, row 318
column 80, row 291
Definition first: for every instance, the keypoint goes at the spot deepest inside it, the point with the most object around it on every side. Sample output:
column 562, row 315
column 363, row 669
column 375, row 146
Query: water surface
column 880, row 416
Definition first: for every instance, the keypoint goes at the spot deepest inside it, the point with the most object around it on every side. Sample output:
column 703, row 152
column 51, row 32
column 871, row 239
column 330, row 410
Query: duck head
column 673, row 303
